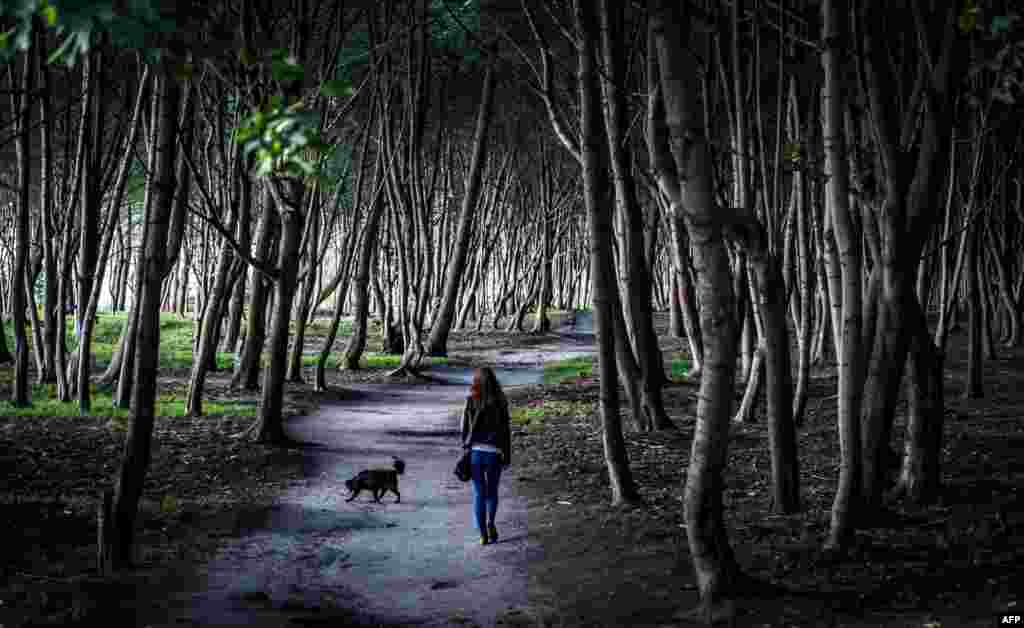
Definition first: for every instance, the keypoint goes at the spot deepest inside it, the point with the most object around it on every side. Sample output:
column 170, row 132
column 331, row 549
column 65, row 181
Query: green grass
column 533, row 414
column 565, row 371
column 45, row 404
column 678, row 369
column 368, row 361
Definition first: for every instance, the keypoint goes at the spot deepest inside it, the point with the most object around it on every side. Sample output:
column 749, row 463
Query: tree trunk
column 848, row 348
column 921, row 477
column 302, row 308
column 357, row 341
column 247, row 369
column 160, row 188
column 637, row 299
column 89, row 138
column 675, row 311
column 270, row 425
column 541, row 322
column 19, row 274
column 598, row 198
column 684, row 175
column 46, row 203
column 974, row 389
column 213, row 311
column 437, row 343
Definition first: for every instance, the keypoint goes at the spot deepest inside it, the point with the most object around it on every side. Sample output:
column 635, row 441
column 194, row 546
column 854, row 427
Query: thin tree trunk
column 357, row 341
column 437, row 342
column 46, row 203
column 160, row 188
column 684, row 175
column 848, row 348
column 269, row 427
column 247, row 369
column 975, row 388
column 637, row 298
column 19, row 273
column 598, row 198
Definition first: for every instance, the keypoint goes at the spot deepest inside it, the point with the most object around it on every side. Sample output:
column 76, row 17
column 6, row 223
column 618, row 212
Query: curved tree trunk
column 361, row 295
column 638, row 298
column 684, row 175
column 805, row 277
column 598, row 196
column 437, row 342
column 229, row 271
column 269, row 427
column 302, row 308
column 247, row 368
column 541, row 321
column 90, row 306
column 160, row 188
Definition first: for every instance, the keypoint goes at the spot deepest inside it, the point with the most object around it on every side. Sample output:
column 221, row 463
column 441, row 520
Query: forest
column 751, row 271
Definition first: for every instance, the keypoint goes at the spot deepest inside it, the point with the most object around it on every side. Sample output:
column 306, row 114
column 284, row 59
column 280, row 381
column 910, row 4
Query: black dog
column 378, row 481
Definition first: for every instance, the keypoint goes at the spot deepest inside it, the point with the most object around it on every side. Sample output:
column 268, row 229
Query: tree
column 160, row 190
column 438, row 340
column 849, row 353
column 682, row 163
column 597, row 195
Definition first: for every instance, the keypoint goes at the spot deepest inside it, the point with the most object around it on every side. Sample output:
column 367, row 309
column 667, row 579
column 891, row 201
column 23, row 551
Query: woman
column 487, row 432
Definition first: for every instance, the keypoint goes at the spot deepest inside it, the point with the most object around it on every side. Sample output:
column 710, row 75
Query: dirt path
column 315, row 559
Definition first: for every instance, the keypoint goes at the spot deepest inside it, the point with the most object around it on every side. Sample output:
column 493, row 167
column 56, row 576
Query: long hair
column 485, row 387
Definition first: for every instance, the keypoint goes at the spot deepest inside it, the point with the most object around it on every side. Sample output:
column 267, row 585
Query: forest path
column 315, row 559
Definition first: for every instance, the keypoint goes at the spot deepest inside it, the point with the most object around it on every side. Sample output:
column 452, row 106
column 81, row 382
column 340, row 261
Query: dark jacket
column 493, row 426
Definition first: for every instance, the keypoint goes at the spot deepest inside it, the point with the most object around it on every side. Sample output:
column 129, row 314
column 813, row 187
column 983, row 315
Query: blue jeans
column 485, row 467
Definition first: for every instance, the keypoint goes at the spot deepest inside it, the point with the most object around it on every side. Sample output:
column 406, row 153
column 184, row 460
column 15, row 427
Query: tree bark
column 437, row 342
column 637, row 298
column 597, row 193
column 160, row 188
column 247, row 369
column 19, row 273
column 681, row 158
column 270, row 423
column 361, row 294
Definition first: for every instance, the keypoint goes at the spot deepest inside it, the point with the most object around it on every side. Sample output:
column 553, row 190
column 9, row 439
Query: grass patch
column 678, row 369
column 533, row 414
column 45, row 404
column 369, row 360
column 565, row 371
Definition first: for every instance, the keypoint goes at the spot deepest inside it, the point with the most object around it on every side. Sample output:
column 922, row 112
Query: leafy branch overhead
column 283, row 138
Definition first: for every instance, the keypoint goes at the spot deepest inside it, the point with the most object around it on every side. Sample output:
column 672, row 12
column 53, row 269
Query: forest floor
column 956, row 563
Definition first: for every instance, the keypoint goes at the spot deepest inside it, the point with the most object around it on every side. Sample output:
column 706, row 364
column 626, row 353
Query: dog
column 377, row 481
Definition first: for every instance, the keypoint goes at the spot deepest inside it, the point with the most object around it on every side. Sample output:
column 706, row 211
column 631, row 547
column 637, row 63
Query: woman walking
column 487, row 432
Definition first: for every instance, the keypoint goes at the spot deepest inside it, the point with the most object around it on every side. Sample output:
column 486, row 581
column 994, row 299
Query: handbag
column 462, row 467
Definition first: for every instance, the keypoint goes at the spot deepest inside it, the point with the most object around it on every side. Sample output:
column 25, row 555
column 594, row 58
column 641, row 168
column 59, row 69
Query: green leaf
column 246, row 57
column 49, row 14
column 337, row 89
column 968, row 22
column 1000, row 24
column 169, row 504
column 285, row 71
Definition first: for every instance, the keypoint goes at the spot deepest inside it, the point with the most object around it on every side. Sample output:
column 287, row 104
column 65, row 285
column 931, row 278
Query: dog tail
column 399, row 466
